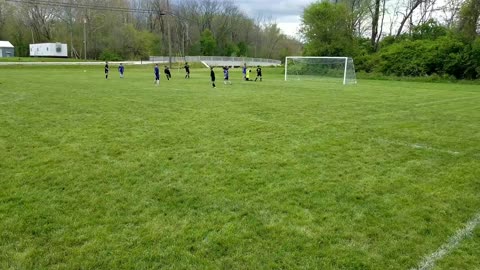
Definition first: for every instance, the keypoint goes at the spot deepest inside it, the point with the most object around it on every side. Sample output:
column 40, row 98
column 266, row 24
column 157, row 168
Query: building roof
column 5, row 44
column 48, row 43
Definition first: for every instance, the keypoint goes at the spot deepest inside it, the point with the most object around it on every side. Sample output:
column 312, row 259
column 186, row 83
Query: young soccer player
column 244, row 71
column 247, row 74
column 156, row 71
column 167, row 73
column 106, row 69
column 121, row 69
column 187, row 71
column 259, row 73
column 225, row 76
column 212, row 76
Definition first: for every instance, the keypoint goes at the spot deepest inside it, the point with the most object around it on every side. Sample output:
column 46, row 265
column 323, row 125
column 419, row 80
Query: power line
column 98, row 7
column 89, row 6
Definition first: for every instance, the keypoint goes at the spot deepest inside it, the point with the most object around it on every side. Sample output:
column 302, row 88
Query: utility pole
column 183, row 43
column 71, row 44
column 169, row 37
column 85, row 36
column 185, row 40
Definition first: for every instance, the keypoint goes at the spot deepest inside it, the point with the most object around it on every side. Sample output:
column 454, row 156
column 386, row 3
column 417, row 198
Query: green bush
column 108, row 55
column 429, row 30
column 472, row 60
column 430, row 51
column 442, row 56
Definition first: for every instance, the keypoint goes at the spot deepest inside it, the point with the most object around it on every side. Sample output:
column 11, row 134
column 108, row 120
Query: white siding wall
column 49, row 49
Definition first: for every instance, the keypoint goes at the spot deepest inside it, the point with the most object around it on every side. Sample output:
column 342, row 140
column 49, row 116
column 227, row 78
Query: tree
column 40, row 20
column 450, row 11
column 272, row 38
column 375, row 19
column 242, row 48
column 428, row 30
column 469, row 19
column 412, row 5
column 207, row 43
column 3, row 18
column 115, row 35
column 327, row 29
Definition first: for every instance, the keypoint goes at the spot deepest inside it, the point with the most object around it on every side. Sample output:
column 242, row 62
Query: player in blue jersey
column 244, row 71
column 156, row 71
column 121, row 69
column 225, row 76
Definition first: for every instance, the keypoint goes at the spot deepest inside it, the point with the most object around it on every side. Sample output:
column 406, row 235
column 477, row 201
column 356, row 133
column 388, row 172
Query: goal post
column 320, row 68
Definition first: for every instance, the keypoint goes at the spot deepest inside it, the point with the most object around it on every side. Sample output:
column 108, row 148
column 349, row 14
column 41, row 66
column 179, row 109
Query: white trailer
column 49, row 49
column 6, row 49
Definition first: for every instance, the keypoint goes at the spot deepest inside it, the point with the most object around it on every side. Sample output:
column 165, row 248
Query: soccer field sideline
column 451, row 244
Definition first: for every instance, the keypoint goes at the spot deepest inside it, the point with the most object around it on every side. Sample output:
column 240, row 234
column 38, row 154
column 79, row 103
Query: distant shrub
column 108, row 55
column 430, row 51
column 444, row 55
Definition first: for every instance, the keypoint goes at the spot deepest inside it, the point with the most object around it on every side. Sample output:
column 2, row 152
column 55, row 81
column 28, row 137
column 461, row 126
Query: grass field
column 120, row 174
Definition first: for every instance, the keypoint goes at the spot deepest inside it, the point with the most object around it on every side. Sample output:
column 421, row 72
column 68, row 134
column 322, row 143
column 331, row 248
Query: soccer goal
column 320, row 68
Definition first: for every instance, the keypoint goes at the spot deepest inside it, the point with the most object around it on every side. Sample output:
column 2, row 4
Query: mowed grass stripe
column 121, row 174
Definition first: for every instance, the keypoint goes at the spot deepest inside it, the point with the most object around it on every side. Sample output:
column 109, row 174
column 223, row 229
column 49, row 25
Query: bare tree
column 394, row 17
column 411, row 7
column 450, row 11
column 273, row 37
column 68, row 16
column 223, row 23
column 258, row 38
column 384, row 9
column 40, row 20
column 2, row 16
column 375, row 21
column 427, row 9
column 360, row 10
column 469, row 19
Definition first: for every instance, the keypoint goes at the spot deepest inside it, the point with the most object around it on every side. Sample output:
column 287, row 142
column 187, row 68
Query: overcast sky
column 286, row 13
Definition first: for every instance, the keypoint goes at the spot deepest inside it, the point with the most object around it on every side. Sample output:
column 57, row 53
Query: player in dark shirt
column 187, row 71
column 167, row 73
column 156, row 71
column 259, row 73
column 106, row 70
column 212, row 76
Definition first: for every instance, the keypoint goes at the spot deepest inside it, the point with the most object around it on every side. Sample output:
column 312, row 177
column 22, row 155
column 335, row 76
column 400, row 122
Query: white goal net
column 335, row 69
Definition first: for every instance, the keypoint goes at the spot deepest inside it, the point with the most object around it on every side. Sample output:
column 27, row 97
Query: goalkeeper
column 247, row 75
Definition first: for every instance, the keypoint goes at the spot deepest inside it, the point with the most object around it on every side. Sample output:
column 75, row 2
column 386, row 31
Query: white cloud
column 290, row 28
column 286, row 13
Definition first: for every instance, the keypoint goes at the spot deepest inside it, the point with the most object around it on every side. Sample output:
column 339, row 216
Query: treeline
column 425, row 40
column 137, row 29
